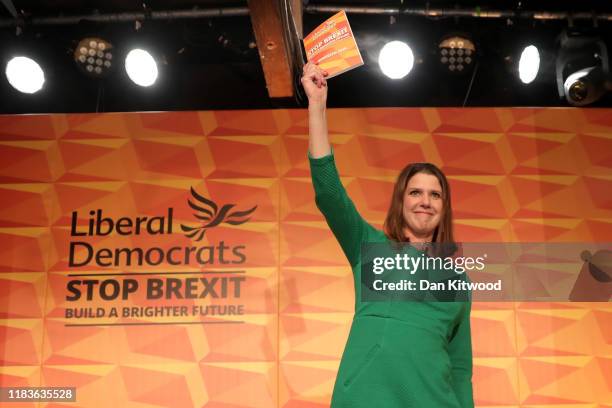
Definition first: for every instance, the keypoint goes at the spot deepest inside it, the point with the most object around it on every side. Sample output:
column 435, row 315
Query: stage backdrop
column 178, row 259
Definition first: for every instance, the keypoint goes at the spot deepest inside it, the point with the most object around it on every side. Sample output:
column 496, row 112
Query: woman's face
column 423, row 204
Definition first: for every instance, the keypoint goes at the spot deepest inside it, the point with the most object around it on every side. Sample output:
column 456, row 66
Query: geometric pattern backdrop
column 517, row 175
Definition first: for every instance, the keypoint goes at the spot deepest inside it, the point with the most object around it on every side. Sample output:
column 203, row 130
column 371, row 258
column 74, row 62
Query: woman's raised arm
column 330, row 195
column 315, row 85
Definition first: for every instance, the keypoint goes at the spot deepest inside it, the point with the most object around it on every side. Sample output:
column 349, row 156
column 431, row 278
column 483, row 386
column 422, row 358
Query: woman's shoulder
column 374, row 234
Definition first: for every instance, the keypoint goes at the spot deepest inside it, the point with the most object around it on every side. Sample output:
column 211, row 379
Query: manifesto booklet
column 332, row 46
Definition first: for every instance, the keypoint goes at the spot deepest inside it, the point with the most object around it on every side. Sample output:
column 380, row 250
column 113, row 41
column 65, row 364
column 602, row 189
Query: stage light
column 25, row 75
column 529, row 64
column 94, row 56
column 141, row 67
column 396, row 59
column 586, row 86
column 582, row 68
column 457, row 53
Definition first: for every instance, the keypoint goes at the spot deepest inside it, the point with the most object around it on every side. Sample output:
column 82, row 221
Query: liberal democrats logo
column 208, row 212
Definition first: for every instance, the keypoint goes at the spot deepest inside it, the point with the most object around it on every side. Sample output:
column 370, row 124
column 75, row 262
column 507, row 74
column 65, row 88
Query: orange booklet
column 332, row 46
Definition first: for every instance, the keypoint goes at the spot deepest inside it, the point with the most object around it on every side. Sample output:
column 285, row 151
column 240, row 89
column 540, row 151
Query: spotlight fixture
column 94, row 56
column 529, row 64
column 25, row 75
column 457, row 53
column 141, row 67
column 396, row 59
column 582, row 68
column 586, row 86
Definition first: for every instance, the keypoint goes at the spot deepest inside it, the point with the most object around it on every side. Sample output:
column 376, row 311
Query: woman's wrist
column 316, row 106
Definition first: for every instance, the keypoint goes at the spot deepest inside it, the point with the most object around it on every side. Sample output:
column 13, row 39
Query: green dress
column 398, row 354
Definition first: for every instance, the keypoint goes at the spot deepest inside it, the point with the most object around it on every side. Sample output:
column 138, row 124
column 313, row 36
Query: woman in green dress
column 398, row 354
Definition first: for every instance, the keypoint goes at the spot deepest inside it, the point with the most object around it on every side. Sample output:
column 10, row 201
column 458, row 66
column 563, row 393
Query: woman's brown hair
column 394, row 222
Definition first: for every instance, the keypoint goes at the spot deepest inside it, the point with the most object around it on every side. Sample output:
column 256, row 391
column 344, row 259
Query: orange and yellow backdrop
column 517, row 175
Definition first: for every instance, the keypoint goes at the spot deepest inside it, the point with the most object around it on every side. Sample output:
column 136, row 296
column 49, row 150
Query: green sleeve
column 332, row 200
column 460, row 353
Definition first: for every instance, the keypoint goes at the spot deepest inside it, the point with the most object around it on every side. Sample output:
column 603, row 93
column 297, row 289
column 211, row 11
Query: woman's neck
column 417, row 238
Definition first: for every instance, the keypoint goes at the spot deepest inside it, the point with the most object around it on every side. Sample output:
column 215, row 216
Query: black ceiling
column 210, row 63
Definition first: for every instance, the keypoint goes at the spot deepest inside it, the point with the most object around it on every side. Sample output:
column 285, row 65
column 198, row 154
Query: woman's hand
column 315, row 84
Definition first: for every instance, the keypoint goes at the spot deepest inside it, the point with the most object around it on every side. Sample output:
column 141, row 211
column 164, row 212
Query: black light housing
column 582, row 68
